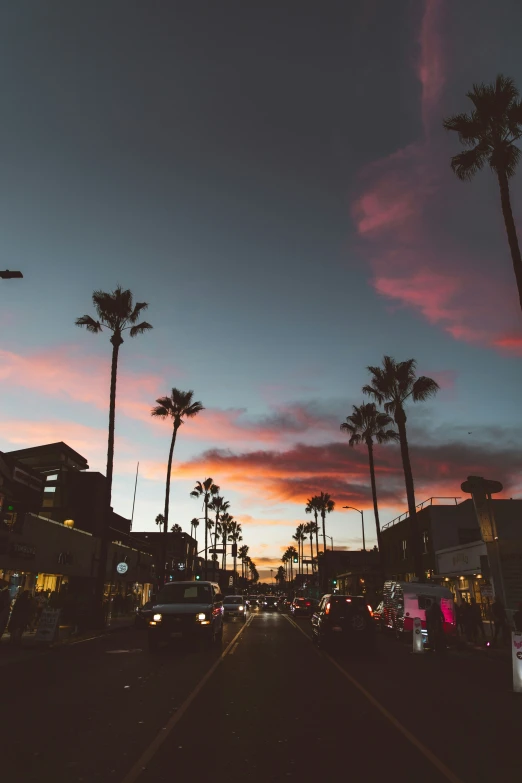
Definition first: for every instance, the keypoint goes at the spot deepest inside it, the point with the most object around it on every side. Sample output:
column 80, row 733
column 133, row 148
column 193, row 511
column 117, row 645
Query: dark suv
column 344, row 620
column 186, row 610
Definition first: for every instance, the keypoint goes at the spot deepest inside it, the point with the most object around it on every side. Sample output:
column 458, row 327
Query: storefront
column 460, row 569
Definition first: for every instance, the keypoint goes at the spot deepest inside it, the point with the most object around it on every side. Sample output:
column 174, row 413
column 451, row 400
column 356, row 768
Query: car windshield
column 270, row 600
column 185, row 594
column 299, row 601
column 232, row 599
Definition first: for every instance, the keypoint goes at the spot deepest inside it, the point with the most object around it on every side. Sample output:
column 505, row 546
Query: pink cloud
column 412, row 264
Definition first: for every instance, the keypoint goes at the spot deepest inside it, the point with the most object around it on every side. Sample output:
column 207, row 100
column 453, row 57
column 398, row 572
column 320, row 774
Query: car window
column 178, row 593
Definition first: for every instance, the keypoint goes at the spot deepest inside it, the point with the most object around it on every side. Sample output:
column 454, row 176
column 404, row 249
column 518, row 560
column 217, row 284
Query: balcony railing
column 428, row 502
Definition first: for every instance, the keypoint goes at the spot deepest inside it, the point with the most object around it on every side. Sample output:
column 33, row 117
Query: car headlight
column 201, row 616
column 241, row 608
column 157, row 617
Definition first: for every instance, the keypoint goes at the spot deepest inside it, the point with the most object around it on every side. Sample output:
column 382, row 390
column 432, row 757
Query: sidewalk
column 66, row 634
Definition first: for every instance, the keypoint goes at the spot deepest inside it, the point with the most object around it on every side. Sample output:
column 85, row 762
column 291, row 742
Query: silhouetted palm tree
column 326, row 505
column 226, row 520
column 118, row 313
column 312, row 528
column 312, row 507
column 300, row 536
column 160, row 519
column 365, row 424
column 489, row 132
column 243, row 553
column 234, row 536
column 393, row 384
column 178, row 407
column 219, row 505
column 207, row 489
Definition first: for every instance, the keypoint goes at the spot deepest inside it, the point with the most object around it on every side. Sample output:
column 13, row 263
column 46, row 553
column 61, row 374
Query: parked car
column 187, row 610
column 234, row 607
column 143, row 615
column 269, row 603
column 345, row 621
column 301, row 606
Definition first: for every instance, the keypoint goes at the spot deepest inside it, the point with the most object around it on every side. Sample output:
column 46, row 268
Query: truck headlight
column 201, row 616
column 241, row 608
column 157, row 617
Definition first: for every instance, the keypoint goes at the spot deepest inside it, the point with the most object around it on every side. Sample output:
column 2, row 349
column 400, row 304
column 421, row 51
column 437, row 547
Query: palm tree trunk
column 235, row 563
column 206, row 536
column 375, row 505
column 400, row 419
column 165, row 536
column 312, row 549
column 511, row 230
column 316, row 538
column 99, row 618
column 323, row 514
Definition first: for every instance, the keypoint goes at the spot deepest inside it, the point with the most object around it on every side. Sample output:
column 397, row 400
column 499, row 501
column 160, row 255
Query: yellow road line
column 156, row 743
column 426, row 752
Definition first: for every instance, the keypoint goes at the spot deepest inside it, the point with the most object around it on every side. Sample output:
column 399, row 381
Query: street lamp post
column 331, row 539
column 362, row 520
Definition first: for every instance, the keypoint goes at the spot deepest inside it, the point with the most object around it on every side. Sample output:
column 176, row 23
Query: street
column 266, row 706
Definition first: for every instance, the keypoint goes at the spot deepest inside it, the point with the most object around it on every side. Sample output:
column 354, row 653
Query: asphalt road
column 267, row 706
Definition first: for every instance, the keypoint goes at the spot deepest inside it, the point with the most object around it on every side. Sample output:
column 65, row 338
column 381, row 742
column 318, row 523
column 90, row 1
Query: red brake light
column 308, row 603
column 370, row 609
column 348, row 600
column 327, row 609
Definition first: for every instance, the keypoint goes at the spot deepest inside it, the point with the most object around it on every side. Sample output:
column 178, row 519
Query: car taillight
column 308, row 603
column 327, row 609
column 370, row 609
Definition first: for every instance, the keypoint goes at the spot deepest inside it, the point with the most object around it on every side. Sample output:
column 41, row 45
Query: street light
column 6, row 274
column 362, row 520
column 331, row 539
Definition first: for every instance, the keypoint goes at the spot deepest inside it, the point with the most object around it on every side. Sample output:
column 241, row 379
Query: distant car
column 344, row 621
column 269, row 603
column 301, row 606
column 234, row 607
column 280, row 601
column 252, row 601
column 143, row 615
column 187, row 610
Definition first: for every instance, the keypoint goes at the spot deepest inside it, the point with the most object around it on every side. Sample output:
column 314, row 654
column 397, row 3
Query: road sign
column 215, row 551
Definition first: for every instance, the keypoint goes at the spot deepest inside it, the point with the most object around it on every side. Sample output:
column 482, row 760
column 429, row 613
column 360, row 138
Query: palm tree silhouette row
column 118, row 313
column 178, row 407
column 393, row 384
column 489, row 134
column 206, row 489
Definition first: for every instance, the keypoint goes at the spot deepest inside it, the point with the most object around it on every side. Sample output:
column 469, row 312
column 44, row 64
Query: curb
column 89, row 635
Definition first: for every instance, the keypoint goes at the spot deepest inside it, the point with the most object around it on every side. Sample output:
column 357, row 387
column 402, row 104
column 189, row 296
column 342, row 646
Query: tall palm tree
column 234, row 536
column 226, row 521
column 489, row 134
column 284, row 560
column 194, row 524
column 219, row 505
column 365, row 424
column 280, row 575
column 118, row 313
column 206, row 489
column 242, row 553
column 312, row 507
column 325, row 505
column 178, row 407
column 312, row 528
column 393, row 384
column 160, row 519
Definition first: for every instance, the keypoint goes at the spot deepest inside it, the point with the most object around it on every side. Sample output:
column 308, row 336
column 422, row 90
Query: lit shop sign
column 122, row 568
column 25, row 551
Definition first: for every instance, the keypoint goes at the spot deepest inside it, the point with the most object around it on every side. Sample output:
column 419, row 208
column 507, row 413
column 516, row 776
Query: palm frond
column 139, row 307
column 140, row 329
column 161, row 411
column 468, row 163
column 90, row 324
column 423, row 388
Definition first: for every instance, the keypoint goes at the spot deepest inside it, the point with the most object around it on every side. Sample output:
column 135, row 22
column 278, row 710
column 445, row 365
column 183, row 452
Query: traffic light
column 334, row 582
column 198, row 576
column 234, row 550
column 296, row 559
column 8, row 515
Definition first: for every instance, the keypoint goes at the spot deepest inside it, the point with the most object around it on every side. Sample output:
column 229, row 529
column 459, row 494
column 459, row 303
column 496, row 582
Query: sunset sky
column 272, row 177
